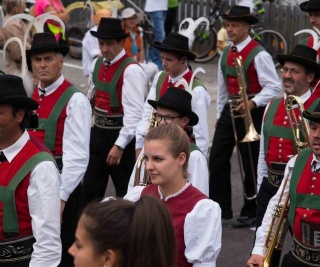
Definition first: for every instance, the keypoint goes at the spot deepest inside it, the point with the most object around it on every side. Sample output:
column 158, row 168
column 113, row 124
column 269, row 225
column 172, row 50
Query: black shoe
column 226, row 215
column 244, row 221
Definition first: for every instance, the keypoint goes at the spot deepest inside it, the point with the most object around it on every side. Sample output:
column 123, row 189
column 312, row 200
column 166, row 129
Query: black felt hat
column 303, row 55
column 12, row 92
column 177, row 44
column 314, row 115
column 110, row 28
column 240, row 13
column 44, row 42
column 178, row 100
column 309, row 6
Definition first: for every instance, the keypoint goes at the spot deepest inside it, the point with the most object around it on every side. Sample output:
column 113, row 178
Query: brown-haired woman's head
column 112, row 234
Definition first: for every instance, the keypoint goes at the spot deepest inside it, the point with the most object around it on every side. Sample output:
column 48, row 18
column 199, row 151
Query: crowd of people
column 59, row 147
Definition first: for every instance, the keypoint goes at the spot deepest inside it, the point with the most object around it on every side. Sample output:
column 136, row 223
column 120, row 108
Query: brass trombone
column 251, row 133
column 279, row 223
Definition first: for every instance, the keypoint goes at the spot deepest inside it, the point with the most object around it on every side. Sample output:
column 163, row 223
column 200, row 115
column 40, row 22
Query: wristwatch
column 121, row 148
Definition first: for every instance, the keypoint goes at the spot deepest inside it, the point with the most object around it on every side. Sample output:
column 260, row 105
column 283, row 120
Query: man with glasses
column 175, row 107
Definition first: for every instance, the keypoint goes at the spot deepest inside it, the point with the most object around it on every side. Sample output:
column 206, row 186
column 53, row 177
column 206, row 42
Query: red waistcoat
column 252, row 76
column 178, row 206
column 46, row 105
column 8, row 171
column 279, row 147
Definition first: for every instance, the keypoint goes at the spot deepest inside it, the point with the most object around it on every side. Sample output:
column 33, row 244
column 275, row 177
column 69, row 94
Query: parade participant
column 119, row 96
column 302, row 172
column 109, row 234
column 133, row 45
column 262, row 86
column 167, row 151
column 313, row 9
column 175, row 54
column 29, row 186
column 175, row 107
column 64, row 127
column 277, row 141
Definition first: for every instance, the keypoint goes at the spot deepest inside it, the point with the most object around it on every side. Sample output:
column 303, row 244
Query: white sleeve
column 262, row 231
column 201, row 130
column 268, row 79
column 76, row 139
column 133, row 91
column 44, row 207
column 198, row 171
column 202, row 234
column 147, row 109
column 134, row 194
column 222, row 97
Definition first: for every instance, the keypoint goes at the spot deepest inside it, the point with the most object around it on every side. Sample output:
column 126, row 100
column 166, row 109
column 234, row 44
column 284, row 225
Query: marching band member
column 196, row 219
column 175, row 107
column 262, row 85
column 302, row 188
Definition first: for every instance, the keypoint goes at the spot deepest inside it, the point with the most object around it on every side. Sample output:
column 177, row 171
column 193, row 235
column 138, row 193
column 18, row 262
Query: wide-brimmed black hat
column 12, row 92
column 303, row 55
column 177, row 44
column 44, row 42
column 240, row 13
column 309, row 6
column 178, row 100
column 314, row 115
column 110, row 28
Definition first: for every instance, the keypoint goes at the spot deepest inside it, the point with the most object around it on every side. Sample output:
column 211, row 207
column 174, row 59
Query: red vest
column 178, row 206
column 252, row 76
column 108, row 86
column 46, row 105
column 279, row 148
column 8, row 171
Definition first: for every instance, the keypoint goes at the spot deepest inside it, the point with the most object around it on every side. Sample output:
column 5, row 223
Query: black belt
column 16, row 249
column 309, row 256
column 276, row 173
column 104, row 121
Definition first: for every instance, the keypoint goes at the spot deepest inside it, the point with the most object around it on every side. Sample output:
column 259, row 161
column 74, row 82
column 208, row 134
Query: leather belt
column 106, row 121
column 276, row 173
column 310, row 256
column 16, row 249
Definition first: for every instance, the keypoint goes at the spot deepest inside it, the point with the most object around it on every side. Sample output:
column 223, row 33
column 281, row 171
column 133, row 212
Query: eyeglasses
column 167, row 119
column 291, row 71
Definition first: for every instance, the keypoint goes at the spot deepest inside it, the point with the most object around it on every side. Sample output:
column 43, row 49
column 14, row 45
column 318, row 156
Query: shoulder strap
column 159, row 84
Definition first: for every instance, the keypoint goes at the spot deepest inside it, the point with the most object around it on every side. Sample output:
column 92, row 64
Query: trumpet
column 279, row 223
column 251, row 133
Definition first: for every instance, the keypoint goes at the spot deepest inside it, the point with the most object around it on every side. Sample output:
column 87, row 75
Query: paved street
column 236, row 243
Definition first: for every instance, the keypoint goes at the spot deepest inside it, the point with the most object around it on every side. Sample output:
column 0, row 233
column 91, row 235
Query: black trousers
column 290, row 261
column 219, row 161
column 70, row 218
column 96, row 178
column 171, row 19
column 16, row 264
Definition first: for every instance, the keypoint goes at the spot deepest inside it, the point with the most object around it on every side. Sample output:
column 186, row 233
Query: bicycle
column 205, row 43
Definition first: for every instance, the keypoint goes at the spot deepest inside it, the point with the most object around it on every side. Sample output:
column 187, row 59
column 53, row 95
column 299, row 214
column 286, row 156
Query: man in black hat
column 277, row 143
column 29, row 185
column 175, row 107
column 119, row 96
column 313, row 9
column 64, row 127
column 262, row 84
column 175, row 55
column 303, row 173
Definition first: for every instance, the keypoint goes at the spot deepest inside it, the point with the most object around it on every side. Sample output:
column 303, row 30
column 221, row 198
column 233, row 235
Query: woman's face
column 162, row 167
column 83, row 251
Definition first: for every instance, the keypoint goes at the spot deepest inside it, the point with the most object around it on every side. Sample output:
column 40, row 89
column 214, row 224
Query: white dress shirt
column 90, row 49
column 197, row 170
column 262, row 165
column 156, row 5
column 267, row 76
column 133, row 94
column 202, row 229
column 202, row 105
column 44, row 208
column 76, row 138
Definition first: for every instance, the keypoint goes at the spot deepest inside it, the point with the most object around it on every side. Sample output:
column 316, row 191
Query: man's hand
column 255, row 261
column 138, row 151
column 114, row 156
column 241, row 107
column 62, row 206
